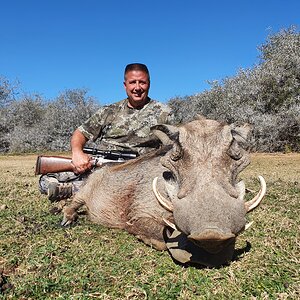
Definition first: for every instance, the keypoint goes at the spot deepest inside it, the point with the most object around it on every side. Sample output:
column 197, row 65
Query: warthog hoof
column 70, row 216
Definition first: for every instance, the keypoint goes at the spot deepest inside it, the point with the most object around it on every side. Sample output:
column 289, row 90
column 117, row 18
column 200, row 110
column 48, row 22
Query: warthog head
column 200, row 187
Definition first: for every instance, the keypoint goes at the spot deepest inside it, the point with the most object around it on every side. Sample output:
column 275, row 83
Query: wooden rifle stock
column 53, row 164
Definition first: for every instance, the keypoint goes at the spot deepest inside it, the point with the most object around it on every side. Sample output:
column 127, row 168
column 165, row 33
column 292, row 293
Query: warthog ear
column 168, row 134
column 241, row 134
column 240, row 140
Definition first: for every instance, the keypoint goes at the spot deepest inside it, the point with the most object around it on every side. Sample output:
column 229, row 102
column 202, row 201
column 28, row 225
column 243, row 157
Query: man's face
column 137, row 86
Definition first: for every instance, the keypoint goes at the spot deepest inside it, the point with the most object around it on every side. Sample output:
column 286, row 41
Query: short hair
column 136, row 67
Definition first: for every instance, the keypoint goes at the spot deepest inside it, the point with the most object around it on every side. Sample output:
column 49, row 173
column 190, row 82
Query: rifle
column 54, row 164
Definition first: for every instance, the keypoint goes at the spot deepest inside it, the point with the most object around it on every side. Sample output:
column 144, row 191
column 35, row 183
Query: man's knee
column 59, row 186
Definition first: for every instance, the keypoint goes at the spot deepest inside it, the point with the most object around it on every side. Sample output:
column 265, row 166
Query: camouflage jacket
column 119, row 127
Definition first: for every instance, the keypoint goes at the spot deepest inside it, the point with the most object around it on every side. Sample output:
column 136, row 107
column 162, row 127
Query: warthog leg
column 70, row 212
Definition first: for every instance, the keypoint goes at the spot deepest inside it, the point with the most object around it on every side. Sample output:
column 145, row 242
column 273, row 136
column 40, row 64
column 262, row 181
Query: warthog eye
column 167, row 175
column 171, row 185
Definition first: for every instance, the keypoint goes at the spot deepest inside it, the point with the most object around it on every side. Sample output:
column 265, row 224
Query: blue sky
column 51, row 45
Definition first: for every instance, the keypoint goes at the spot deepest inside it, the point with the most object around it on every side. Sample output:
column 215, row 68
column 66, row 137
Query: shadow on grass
column 236, row 257
column 187, row 253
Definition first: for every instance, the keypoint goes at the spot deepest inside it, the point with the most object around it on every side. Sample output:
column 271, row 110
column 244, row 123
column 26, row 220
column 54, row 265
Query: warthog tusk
column 250, row 205
column 163, row 201
column 170, row 224
column 248, row 225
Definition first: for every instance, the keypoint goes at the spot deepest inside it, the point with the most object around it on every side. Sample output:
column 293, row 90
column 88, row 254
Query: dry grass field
column 41, row 260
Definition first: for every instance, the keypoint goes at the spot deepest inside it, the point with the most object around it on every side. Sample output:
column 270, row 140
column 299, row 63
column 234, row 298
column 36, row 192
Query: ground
column 41, row 260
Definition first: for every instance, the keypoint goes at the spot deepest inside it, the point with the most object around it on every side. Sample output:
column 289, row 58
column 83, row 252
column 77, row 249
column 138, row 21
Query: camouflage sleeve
column 92, row 127
column 97, row 124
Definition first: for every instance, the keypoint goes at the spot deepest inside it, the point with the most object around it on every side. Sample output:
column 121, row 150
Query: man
column 124, row 125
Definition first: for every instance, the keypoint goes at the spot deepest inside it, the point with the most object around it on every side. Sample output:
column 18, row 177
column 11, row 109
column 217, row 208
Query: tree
column 264, row 95
column 7, row 98
column 65, row 114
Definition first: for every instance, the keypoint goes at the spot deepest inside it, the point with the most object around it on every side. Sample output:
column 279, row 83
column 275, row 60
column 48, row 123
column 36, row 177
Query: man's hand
column 82, row 162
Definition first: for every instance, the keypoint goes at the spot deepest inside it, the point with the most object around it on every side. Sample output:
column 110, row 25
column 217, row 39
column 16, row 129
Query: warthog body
column 201, row 209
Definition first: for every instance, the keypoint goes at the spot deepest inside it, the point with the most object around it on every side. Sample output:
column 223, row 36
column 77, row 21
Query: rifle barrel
column 111, row 154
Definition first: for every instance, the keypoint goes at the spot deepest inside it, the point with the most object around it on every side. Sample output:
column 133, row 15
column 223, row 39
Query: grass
column 41, row 260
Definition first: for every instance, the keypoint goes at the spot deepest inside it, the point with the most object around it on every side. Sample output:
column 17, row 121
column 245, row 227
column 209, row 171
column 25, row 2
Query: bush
column 32, row 124
column 7, row 98
column 266, row 96
column 64, row 115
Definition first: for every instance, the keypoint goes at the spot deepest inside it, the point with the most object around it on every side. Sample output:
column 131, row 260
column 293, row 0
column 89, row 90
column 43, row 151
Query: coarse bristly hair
column 147, row 156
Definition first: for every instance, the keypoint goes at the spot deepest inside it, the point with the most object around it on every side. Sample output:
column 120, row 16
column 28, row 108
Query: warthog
column 184, row 197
